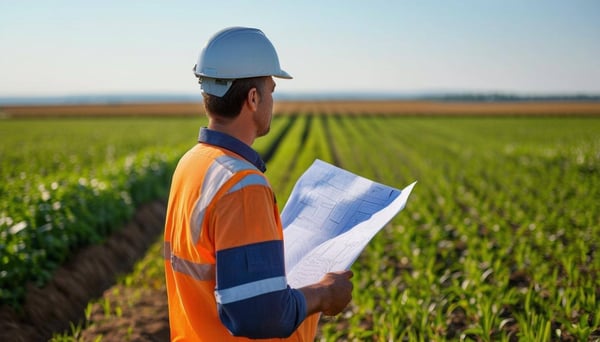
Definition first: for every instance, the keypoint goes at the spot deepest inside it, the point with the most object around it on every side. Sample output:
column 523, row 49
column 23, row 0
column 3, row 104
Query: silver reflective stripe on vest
column 218, row 173
column 194, row 270
column 249, row 290
column 251, row 179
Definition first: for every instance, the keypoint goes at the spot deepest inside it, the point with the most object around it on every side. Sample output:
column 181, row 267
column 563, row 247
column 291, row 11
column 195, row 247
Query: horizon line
column 441, row 95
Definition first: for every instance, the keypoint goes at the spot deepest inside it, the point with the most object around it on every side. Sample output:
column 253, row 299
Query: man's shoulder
column 201, row 155
column 215, row 163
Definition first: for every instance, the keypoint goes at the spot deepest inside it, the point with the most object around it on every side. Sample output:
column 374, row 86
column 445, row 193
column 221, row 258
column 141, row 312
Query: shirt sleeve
column 253, row 298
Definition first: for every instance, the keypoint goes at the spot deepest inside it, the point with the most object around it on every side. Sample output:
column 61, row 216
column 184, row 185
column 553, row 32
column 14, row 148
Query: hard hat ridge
column 236, row 52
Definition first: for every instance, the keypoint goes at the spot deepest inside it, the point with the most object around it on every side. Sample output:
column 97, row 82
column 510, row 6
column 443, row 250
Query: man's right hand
column 330, row 295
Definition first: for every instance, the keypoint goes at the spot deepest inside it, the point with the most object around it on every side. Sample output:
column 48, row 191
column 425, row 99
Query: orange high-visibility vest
column 223, row 248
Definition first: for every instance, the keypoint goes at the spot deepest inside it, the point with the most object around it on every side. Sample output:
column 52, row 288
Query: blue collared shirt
column 232, row 144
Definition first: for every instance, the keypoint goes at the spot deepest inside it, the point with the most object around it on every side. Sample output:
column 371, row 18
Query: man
column 224, row 257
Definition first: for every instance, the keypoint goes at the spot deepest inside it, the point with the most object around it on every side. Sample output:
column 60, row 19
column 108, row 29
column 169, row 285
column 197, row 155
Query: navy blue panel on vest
column 275, row 314
column 250, row 263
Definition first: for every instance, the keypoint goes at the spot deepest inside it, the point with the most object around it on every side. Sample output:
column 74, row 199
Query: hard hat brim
column 283, row 74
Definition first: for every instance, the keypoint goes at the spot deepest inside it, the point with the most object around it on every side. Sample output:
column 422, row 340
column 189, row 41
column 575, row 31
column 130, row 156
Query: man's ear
column 253, row 99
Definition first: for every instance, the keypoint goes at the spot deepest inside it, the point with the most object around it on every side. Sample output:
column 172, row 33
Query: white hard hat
column 236, row 52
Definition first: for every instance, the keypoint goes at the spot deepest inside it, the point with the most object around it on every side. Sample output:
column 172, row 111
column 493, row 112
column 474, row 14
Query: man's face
column 263, row 115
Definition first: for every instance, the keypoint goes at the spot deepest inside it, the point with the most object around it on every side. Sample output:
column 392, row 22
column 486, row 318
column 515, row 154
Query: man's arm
column 253, row 298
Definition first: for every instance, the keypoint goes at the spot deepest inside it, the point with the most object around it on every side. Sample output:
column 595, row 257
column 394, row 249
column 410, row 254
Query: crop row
column 70, row 184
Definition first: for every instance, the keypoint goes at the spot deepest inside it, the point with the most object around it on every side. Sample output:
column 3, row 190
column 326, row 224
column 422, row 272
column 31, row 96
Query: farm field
column 357, row 107
column 499, row 239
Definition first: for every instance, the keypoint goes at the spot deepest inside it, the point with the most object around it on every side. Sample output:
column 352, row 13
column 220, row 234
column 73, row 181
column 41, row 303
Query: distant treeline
column 510, row 98
column 437, row 96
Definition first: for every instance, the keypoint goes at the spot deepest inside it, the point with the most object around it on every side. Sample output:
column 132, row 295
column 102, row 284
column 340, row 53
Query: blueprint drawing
column 330, row 217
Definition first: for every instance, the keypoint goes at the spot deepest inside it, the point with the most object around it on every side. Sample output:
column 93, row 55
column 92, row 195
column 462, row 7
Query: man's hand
column 330, row 295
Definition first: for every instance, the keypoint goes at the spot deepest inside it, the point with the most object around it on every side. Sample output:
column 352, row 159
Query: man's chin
column 265, row 132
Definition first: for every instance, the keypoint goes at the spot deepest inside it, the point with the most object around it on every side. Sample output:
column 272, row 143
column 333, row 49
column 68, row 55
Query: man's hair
column 230, row 105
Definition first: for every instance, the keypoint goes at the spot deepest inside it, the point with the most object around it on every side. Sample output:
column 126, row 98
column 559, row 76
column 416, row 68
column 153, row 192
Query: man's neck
column 236, row 128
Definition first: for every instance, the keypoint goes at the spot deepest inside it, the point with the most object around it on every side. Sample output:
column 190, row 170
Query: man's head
column 229, row 105
column 234, row 61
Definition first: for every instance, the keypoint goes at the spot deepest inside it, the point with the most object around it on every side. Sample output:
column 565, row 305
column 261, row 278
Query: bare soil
column 144, row 316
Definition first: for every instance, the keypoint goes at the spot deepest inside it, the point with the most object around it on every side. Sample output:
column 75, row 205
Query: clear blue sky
column 84, row 47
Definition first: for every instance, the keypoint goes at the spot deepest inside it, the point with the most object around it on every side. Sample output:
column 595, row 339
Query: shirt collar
column 232, row 144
